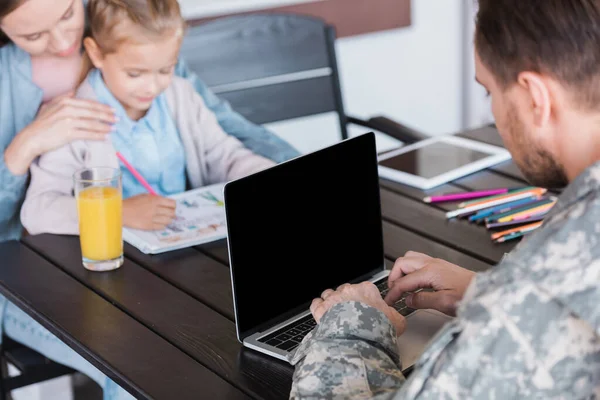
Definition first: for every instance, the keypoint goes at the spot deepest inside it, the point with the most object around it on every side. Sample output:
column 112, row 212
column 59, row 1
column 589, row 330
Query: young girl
column 164, row 128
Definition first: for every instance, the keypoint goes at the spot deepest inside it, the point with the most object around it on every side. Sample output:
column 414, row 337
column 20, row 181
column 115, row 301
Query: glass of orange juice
column 100, row 208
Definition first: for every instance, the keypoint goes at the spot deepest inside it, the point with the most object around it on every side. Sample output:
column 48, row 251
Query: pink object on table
column 137, row 175
column 464, row 196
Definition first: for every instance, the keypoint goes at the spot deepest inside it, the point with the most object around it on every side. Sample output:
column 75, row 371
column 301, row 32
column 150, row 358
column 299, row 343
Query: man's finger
column 315, row 308
column 431, row 300
column 420, row 279
column 343, row 286
column 406, row 266
column 416, row 254
column 368, row 287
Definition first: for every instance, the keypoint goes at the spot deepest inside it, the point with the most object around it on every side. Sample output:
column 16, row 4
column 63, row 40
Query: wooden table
column 163, row 326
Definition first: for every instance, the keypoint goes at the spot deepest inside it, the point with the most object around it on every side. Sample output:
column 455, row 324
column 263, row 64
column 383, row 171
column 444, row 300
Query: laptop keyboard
column 290, row 336
column 400, row 305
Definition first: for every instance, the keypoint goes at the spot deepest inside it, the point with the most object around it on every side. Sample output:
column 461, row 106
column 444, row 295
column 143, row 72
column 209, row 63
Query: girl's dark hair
column 6, row 7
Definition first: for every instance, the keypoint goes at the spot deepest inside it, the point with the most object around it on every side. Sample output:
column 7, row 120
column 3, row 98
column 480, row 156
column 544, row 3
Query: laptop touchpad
column 421, row 327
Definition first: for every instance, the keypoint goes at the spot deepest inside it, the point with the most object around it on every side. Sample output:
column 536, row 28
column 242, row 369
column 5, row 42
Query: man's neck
column 579, row 147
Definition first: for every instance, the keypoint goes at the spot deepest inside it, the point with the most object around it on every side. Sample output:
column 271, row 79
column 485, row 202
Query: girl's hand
column 59, row 122
column 148, row 212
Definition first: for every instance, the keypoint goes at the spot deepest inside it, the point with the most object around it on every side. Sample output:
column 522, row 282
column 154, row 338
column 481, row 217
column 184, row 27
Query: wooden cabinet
column 350, row 17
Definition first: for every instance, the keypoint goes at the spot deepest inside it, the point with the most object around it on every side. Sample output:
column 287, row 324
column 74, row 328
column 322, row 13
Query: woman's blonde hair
column 153, row 17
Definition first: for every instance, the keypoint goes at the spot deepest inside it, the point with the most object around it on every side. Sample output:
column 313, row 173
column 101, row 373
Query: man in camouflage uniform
column 528, row 328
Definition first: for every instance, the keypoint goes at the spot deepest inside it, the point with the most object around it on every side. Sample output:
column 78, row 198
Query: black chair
column 33, row 367
column 275, row 67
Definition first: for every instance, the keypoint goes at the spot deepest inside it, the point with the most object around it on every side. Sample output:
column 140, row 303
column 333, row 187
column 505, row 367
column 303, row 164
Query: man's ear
column 94, row 52
column 540, row 99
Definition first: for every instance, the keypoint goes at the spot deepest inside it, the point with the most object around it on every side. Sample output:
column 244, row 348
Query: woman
column 40, row 62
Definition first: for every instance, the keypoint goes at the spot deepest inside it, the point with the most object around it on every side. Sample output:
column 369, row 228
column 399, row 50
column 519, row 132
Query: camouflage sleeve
column 348, row 357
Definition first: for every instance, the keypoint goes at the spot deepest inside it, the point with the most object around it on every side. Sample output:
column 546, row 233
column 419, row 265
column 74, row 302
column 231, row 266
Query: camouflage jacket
column 528, row 328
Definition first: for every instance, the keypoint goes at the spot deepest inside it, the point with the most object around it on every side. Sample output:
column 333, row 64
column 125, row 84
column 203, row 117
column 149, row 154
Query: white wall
column 410, row 74
column 413, row 75
column 477, row 108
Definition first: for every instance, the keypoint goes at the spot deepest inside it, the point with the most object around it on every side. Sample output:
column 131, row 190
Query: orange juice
column 100, row 223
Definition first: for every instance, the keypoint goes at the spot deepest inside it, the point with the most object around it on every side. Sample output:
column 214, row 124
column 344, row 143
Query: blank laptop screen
column 303, row 226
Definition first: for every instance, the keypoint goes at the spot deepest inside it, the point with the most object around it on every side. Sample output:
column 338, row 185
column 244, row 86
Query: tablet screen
column 433, row 159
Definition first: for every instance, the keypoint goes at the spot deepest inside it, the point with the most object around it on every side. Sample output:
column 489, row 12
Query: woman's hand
column 59, row 122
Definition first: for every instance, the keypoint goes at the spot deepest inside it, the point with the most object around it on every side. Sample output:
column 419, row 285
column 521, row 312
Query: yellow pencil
column 531, row 211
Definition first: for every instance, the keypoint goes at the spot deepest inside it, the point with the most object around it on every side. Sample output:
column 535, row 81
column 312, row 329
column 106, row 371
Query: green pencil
column 512, row 236
column 539, row 203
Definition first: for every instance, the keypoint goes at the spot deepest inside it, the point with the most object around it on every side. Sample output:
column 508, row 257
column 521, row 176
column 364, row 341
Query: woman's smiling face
column 46, row 27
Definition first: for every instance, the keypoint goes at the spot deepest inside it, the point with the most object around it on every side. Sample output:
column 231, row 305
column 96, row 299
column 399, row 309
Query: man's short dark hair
column 558, row 38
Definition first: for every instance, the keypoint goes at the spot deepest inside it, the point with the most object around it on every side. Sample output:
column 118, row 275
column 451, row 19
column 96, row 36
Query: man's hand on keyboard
column 366, row 293
column 419, row 271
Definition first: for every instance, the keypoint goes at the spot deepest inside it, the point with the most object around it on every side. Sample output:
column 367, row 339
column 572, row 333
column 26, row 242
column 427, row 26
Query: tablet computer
column 438, row 160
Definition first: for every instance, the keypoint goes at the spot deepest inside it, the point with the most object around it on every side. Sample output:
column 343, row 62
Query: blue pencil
column 502, row 208
column 496, row 216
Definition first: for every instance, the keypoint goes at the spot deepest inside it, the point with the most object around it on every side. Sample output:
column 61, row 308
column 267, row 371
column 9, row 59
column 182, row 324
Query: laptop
column 303, row 226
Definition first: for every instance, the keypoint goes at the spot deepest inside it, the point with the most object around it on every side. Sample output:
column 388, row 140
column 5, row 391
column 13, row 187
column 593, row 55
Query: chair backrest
column 269, row 67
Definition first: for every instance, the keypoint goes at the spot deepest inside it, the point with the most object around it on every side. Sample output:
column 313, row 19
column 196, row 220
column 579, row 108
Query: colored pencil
column 502, row 208
column 523, row 228
column 495, row 225
column 527, row 213
column 471, row 210
column 464, row 196
column 515, row 235
column 532, row 215
column 136, row 174
column 510, row 192
column 525, row 207
column 511, row 237
column 535, row 191
column 496, row 217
